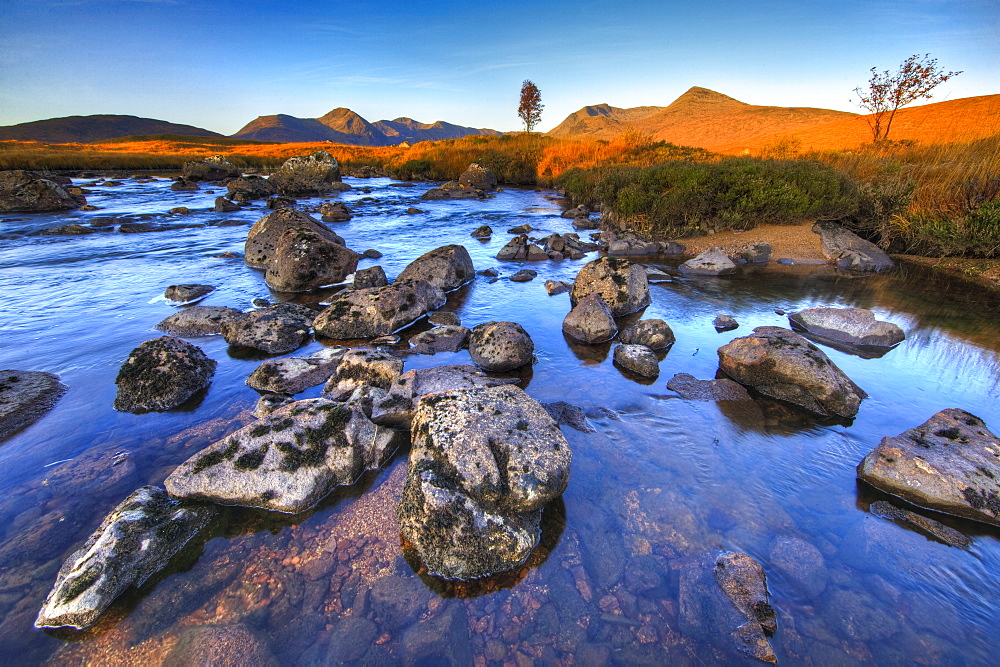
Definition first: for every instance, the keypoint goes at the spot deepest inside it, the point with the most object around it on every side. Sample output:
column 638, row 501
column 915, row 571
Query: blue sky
column 220, row 64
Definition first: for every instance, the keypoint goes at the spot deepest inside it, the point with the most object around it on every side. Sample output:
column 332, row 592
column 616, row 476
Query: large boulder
column 336, row 211
column 197, row 321
column 262, row 239
column 214, row 168
column 134, row 542
column 500, row 346
column 363, row 368
column 590, row 321
column 477, row 177
column 852, row 326
column 448, row 268
column 948, row 464
column 25, row 396
column 483, row 464
column 277, row 329
column 377, row 311
column 292, row 375
column 313, row 174
column 520, row 247
column 620, row 283
column 161, row 374
column 712, row 262
column 653, row 333
column 187, row 293
column 31, row 192
column 849, row 250
column 448, row 338
column 783, row 365
column 288, row 461
column 248, row 188
column 638, row 359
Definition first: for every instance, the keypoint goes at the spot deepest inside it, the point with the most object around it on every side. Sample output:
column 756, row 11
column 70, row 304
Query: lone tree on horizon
column 531, row 106
column 888, row 92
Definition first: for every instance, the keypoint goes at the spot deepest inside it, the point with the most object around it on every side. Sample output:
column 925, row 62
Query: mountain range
column 85, row 129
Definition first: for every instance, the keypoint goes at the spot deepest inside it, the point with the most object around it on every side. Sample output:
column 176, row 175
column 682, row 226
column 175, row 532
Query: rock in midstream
column 483, row 464
column 196, row 321
column 363, row 367
column 500, row 346
column 276, row 329
column 35, row 192
column 307, row 257
column 213, row 168
column 288, row 461
column 638, row 359
column 25, row 396
column 262, row 239
column 377, row 311
column 314, row 174
column 161, row 374
column 620, row 283
column 447, row 268
column 653, row 333
column 590, row 321
column 712, row 262
column 133, row 543
column 853, row 326
column 448, row 338
column 782, row 364
column 293, row 375
column 187, row 293
column 949, row 464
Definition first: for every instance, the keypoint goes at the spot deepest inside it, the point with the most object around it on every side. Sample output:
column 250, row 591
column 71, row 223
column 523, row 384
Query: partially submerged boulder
column 335, row 212
column 638, row 359
column 732, row 398
column 590, row 321
column 134, row 542
column 712, row 262
column 851, row 326
column 377, row 311
column 653, row 333
column 373, row 276
column 477, row 177
column 482, row 232
column 293, row 375
column 276, row 329
column 921, row 523
column 783, row 365
column 742, row 579
column 950, row 463
column 223, row 205
column 214, row 168
column 849, row 250
column 500, row 346
column 447, row 268
column 187, row 293
column 288, row 461
column 620, row 283
column 248, row 188
column 724, row 322
column 363, row 368
column 198, row 321
column 262, row 239
column 161, row 374
column 520, row 248
column 32, row 192
column 447, row 338
column 312, row 174
column 483, row 464
column 25, row 396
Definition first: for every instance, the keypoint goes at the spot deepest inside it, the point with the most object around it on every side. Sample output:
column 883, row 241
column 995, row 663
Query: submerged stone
column 25, row 396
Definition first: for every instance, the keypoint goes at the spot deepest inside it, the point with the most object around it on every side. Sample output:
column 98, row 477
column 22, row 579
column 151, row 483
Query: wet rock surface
column 590, row 321
column 732, row 398
column 638, row 359
column 948, row 464
column 712, row 262
column 133, row 542
column 620, row 283
column 161, row 374
column 377, row 311
column 287, row 461
column 483, row 464
column 742, row 579
column 293, row 375
column 276, row 329
column 725, row 323
column 653, row 333
column 447, row 268
column 25, row 396
column 448, row 338
column 33, row 192
column 187, row 293
column 782, row 364
column 924, row 524
column 363, row 368
column 852, row 326
column 262, row 239
column 198, row 321
column 500, row 346
column 849, row 250
column 248, row 188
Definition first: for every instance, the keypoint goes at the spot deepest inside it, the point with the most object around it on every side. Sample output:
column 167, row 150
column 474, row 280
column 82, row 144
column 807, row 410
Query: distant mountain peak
column 697, row 96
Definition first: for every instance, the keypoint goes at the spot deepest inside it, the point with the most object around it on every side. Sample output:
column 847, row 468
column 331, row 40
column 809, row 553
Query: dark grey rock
column 197, row 321
column 371, row 253
column 248, row 188
column 183, row 185
column 638, row 359
column 566, row 414
column 653, row 333
column 187, row 293
column 712, row 262
column 444, row 318
column 25, row 396
column 477, row 177
column 377, row 311
column 849, row 250
column 214, row 168
column 590, row 321
column 500, row 346
column 620, row 283
column 448, row 338
column 483, row 232
column 373, row 276
column 725, row 323
column 852, row 326
column 524, row 276
column 447, row 268
column 293, row 375
column 33, row 192
column 335, row 212
column 275, row 329
column 161, row 374
column 66, row 230
column 936, row 529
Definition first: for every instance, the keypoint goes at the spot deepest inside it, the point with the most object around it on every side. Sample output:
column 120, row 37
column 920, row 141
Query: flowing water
column 657, row 491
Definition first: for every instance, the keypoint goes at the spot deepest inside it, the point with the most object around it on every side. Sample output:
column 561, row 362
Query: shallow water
column 662, row 487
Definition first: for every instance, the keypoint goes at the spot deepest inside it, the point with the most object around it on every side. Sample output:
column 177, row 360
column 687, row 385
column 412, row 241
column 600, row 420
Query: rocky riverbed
column 676, row 498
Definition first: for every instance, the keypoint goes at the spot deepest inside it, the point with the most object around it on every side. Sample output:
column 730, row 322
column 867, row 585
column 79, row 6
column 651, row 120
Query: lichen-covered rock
column 500, row 346
column 32, row 192
column 742, row 579
column 447, row 268
column 317, row 173
column 852, row 326
column 197, row 321
column 477, row 177
column 161, row 374
column 849, row 250
column 373, row 276
column 214, row 168
column 482, row 232
column 25, row 396
column 306, row 258
column 948, row 464
column 187, row 293
column 293, row 375
column 134, row 542
column 444, row 318
column 368, row 368
column 396, row 409
column 782, row 364
column 638, row 359
column 621, row 284
column 448, row 338
column 653, row 333
column 262, row 239
column 590, row 321
column 712, row 262
column 483, row 464
column 248, row 188
column 524, row 276
column 184, row 185
column 335, row 212
column 288, row 461
column 276, row 329
column 268, row 403
column 377, row 311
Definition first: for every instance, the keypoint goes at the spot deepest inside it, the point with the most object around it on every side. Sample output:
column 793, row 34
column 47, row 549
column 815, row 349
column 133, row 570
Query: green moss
column 77, row 586
column 216, row 457
column 252, row 459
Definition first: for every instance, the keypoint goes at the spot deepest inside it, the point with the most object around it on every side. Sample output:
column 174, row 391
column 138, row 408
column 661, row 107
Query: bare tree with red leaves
column 531, row 106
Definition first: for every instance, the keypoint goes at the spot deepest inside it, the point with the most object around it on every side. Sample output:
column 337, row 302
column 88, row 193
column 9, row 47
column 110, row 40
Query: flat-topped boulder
column 363, row 368
column 276, row 329
column 483, row 464
column 500, row 346
column 948, row 464
column 288, row 461
column 377, row 311
column 25, row 396
column 187, row 293
column 783, row 365
column 134, row 542
column 161, row 374
column 590, row 321
column 197, row 321
column 849, row 250
column 293, row 375
column 312, row 174
column 33, row 192
column 620, row 283
column 850, row 326
column 712, row 262
column 448, row 268
column 213, row 168
column 446, row 338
